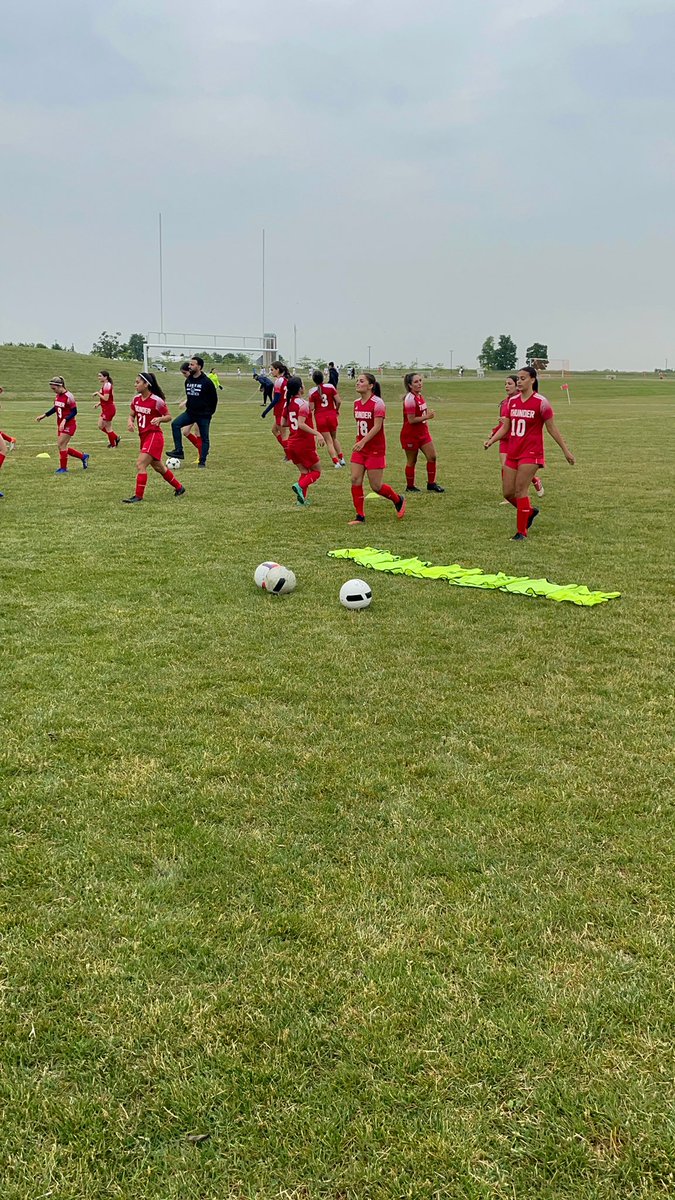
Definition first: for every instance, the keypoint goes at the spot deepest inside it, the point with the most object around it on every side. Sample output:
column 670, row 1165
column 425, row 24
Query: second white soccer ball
column 355, row 593
column 279, row 581
column 173, row 463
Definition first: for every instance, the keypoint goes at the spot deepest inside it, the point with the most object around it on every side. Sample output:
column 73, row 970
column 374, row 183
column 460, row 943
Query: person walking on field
column 65, row 407
column 511, row 390
column 106, row 403
column 369, row 453
column 200, row 404
column 526, row 415
column 333, row 376
column 149, row 411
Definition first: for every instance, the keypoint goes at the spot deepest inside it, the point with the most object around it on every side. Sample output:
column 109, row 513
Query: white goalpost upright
column 557, row 366
column 156, row 344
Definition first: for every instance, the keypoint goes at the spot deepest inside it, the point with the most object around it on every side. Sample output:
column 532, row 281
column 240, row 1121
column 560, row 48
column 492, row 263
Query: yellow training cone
column 374, row 496
column 43, row 455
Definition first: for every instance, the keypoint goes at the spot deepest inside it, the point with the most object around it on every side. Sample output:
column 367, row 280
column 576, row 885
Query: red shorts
column 279, row 410
column 69, row 427
column 153, row 444
column 302, row 453
column 372, row 462
column 412, row 440
column 527, row 461
column 108, row 412
column 327, row 422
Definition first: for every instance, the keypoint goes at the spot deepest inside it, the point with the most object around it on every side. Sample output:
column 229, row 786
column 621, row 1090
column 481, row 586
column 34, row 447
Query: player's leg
column 167, row 475
column 178, row 424
column 538, row 486
column 192, row 435
column 525, row 513
column 357, row 472
column 410, row 463
column 142, row 463
column 310, row 473
column 502, row 458
column 375, row 478
column 62, row 443
column 338, row 449
column 429, row 452
column 3, row 453
column 330, row 446
column 509, row 484
column 204, row 424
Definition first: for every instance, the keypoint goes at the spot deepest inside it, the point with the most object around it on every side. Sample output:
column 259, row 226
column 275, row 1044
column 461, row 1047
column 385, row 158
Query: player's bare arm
column 558, row 437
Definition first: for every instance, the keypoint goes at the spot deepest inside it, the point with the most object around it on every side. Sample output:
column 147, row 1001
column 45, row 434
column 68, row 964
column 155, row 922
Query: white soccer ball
column 355, row 594
column 279, row 581
column 173, row 463
column 260, row 573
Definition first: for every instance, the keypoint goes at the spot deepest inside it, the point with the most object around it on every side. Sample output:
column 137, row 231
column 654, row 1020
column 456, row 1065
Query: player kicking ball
column 149, row 411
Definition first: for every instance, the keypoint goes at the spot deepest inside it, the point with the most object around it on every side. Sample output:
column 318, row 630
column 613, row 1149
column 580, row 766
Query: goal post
column 185, row 345
column 557, row 366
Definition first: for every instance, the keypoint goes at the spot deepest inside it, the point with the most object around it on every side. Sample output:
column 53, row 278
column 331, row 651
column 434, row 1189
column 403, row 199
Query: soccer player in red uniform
column 281, row 376
column 325, row 402
column 7, row 442
column 511, row 389
column 415, row 434
column 65, row 408
column 369, row 453
column 149, row 411
column 302, row 438
column 106, row 403
column 526, row 415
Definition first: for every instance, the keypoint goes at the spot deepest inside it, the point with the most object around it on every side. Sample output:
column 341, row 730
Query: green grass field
column 382, row 902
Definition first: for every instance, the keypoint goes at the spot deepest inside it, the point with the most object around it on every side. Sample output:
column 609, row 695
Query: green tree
column 55, row 346
column 487, row 355
column 109, row 345
column 505, row 353
column 539, row 351
column 134, row 347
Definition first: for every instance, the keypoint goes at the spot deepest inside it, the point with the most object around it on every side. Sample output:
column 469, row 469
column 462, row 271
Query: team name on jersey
column 522, row 412
column 361, row 415
column 142, row 408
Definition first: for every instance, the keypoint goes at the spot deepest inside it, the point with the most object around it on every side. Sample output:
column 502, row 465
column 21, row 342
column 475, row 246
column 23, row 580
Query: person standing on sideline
column 65, row 408
column 370, row 447
column 106, row 403
column 266, row 386
column 526, row 415
column 213, row 376
column 333, row 376
column 415, row 434
column 200, row 404
column 148, row 412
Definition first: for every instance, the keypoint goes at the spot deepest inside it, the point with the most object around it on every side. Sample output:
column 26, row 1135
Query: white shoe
column 539, row 488
column 337, row 466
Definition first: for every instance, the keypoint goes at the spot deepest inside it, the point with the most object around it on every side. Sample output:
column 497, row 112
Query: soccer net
column 179, row 346
column 557, row 366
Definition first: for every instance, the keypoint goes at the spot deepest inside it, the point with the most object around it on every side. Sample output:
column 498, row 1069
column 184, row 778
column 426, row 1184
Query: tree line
column 504, row 355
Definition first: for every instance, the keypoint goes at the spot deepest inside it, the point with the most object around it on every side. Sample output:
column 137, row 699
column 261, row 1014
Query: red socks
column 112, row 437
column 171, row 478
column 75, row 454
column 2, row 459
column 524, row 509
column 7, row 436
column 196, row 442
column 357, row 497
column 141, row 481
column 63, row 459
column 389, row 494
column 431, row 470
column 410, row 476
column 305, row 481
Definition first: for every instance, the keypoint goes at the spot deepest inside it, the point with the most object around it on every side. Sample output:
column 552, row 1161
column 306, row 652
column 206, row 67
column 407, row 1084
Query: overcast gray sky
column 427, row 172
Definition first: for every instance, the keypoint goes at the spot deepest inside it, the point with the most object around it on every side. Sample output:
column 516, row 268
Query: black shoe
column 133, row 500
column 412, row 489
column 519, row 537
column 533, row 514
column 176, row 454
column 435, row 487
column 202, row 465
column 180, row 491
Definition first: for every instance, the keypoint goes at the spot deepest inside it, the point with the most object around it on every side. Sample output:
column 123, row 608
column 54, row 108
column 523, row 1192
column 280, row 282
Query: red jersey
column 280, row 386
column 65, row 407
column 414, row 406
column 322, row 398
column 144, row 410
column 107, row 395
column 504, row 412
column 366, row 412
column 297, row 410
column 526, row 437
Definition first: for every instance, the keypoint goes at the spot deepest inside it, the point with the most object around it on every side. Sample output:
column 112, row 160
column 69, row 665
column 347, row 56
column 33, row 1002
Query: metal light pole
column 451, row 354
column 369, row 348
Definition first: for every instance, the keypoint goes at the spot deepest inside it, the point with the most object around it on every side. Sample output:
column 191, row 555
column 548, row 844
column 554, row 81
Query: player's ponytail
column 375, row 387
column 106, row 375
column 152, row 383
column 281, row 366
column 407, row 382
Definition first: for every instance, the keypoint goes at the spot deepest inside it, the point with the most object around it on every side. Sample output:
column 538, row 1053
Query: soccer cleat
column 412, row 489
column 117, row 441
column 538, row 487
column 176, row 454
column 202, row 465
column 533, row 514
column 61, row 471
column 133, row 500
column 2, row 495
column 400, row 508
column 435, row 487
column 85, row 461
column 303, row 503
column 342, row 462
column 302, row 499
column 504, row 501
column 358, row 520
column 179, row 491
column 337, row 465
column 519, row 537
